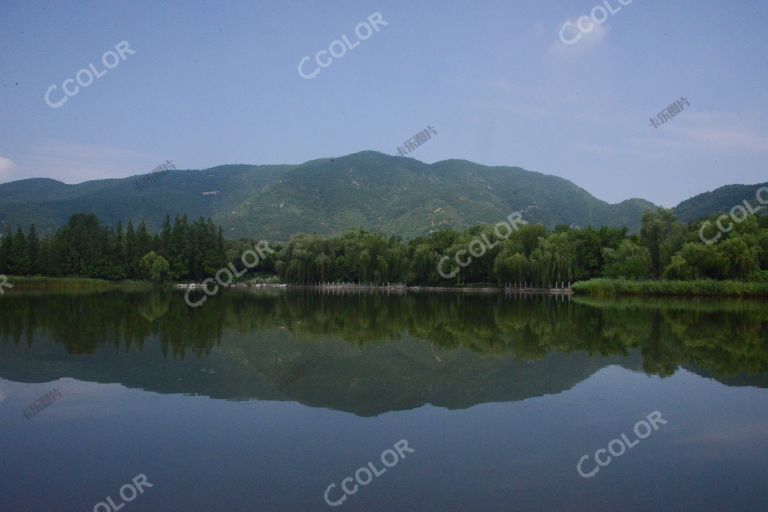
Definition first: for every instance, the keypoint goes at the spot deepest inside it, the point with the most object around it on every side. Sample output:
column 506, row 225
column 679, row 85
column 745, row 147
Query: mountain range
column 369, row 190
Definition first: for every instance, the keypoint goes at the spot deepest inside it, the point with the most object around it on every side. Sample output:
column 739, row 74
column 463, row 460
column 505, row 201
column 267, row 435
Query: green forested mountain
column 370, row 190
column 720, row 200
column 367, row 190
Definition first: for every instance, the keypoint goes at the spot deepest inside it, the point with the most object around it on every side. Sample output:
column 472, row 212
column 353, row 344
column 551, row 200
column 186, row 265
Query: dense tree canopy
column 664, row 248
column 86, row 248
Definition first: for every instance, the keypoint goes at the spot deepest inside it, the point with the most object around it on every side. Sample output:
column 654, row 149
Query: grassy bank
column 703, row 288
column 71, row 284
column 756, row 305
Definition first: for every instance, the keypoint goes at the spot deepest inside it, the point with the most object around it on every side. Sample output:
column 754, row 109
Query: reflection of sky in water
column 208, row 454
column 236, row 414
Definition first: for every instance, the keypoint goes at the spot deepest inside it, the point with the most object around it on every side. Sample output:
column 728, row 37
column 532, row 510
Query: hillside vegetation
column 717, row 201
column 368, row 190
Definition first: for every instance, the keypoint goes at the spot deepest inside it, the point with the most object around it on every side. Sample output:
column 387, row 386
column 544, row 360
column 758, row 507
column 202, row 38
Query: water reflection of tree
column 724, row 339
column 125, row 320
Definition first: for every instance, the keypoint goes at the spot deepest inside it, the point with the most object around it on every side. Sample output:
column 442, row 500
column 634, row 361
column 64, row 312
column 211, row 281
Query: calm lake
column 297, row 401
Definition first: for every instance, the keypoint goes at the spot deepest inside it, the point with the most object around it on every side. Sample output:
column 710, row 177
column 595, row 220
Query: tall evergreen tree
column 19, row 257
column 5, row 248
column 165, row 237
column 131, row 258
column 34, row 250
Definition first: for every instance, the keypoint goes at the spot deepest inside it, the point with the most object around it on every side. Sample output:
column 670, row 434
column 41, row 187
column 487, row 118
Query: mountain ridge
column 365, row 190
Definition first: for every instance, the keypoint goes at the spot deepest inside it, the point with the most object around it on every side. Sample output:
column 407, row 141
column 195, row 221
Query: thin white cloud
column 75, row 162
column 598, row 149
column 721, row 131
column 502, row 84
column 706, row 131
column 727, row 435
column 6, row 169
column 540, row 29
column 727, row 140
column 540, row 101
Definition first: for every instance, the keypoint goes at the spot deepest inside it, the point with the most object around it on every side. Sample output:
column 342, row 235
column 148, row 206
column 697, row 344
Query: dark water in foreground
column 261, row 402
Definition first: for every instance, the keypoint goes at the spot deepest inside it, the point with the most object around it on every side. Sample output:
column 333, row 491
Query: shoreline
column 662, row 288
column 45, row 281
column 591, row 288
column 398, row 288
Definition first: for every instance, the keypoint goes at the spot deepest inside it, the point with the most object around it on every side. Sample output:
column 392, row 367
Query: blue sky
column 217, row 82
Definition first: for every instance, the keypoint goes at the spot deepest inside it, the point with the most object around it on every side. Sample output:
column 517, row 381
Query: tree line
column 84, row 247
column 665, row 248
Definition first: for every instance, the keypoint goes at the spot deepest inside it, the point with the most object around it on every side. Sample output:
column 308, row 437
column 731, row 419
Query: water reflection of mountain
column 368, row 354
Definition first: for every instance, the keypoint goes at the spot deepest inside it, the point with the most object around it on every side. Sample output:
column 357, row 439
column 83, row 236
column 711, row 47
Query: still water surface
column 258, row 402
